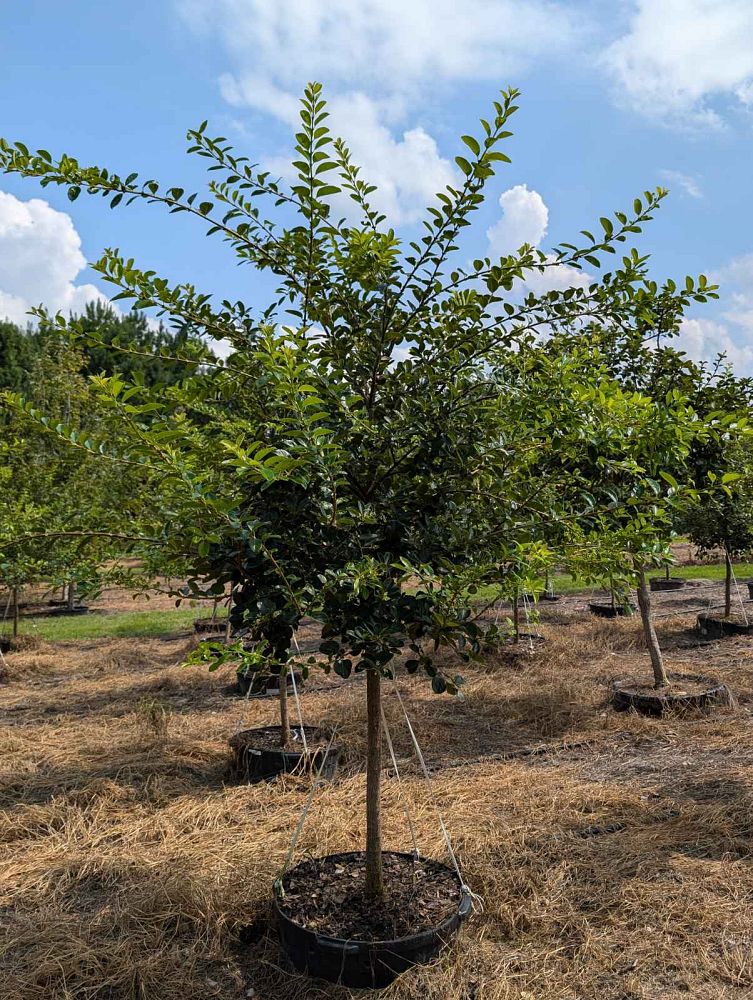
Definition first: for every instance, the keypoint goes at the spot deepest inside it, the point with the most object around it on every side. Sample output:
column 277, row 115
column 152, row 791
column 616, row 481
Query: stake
column 516, row 618
column 284, row 720
column 727, row 584
column 229, row 612
column 644, row 603
column 374, row 881
column 15, row 612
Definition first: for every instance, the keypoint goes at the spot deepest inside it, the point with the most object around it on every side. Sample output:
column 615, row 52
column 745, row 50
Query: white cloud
column 557, row 278
column 378, row 59
column 685, row 182
column 704, row 339
column 524, row 219
column 679, row 57
column 387, row 43
column 407, row 170
column 40, row 257
column 732, row 332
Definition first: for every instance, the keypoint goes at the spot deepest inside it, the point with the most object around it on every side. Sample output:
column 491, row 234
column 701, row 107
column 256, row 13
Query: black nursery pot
column 263, row 763
column 719, row 627
column 364, row 964
column 57, row 611
column 662, row 583
column 750, row 589
column 209, row 625
column 712, row 694
column 610, row 611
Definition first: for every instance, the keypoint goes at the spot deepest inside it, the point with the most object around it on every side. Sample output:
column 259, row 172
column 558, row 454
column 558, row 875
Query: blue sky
column 616, row 97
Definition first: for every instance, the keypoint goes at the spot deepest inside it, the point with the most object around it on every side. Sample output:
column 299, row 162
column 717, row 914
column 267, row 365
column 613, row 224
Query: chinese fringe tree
column 356, row 438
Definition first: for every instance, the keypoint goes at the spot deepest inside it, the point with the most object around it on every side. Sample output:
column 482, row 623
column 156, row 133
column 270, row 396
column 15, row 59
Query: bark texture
column 644, row 603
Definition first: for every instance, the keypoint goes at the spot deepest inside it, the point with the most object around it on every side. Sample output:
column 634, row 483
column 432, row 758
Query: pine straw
column 612, row 852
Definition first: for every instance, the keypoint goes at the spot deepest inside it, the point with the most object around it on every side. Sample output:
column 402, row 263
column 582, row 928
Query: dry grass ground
column 613, row 853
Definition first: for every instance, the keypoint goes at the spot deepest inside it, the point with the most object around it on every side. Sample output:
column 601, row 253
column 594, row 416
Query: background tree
column 18, row 350
column 723, row 518
column 58, row 497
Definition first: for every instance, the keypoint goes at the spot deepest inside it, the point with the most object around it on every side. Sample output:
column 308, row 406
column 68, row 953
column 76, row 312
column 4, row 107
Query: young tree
column 366, row 396
column 723, row 518
column 57, row 497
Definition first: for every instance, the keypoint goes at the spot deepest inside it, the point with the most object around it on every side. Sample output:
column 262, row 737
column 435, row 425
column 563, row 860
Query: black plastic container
column 364, row 964
column 716, row 628
column 750, row 589
column 254, row 765
column 610, row 610
column 662, row 583
column 216, row 625
column 655, row 704
column 77, row 609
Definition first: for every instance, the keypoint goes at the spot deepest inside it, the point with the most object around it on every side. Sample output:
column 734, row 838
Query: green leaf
column 472, row 144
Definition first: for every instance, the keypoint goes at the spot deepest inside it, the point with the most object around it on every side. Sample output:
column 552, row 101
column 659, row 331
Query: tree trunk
column 666, row 572
column 611, row 592
column 71, row 595
column 515, row 619
column 644, row 603
column 374, row 883
column 727, row 585
column 15, row 612
column 284, row 718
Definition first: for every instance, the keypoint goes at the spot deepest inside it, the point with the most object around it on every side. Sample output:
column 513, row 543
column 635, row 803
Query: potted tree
column 354, row 450
column 723, row 520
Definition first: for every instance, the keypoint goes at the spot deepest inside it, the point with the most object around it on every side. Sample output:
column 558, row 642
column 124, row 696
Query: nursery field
column 611, row 852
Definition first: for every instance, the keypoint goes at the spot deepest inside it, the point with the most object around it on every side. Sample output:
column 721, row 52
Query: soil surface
column 677, row 689
column 327, row 895
column 268, row 738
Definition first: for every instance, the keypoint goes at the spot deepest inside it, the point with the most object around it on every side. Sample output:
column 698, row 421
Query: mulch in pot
column 258, row 756
column 331, row 929
column 717, row 627
column 687, row 693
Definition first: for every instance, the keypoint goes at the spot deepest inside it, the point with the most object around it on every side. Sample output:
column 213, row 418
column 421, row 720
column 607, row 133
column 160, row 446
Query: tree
column 723, row 518
column 127, row 345
column 17, row 354
column 56, row 497
column 367, row 395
